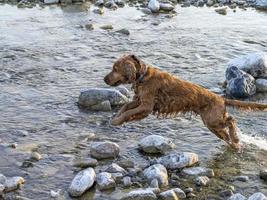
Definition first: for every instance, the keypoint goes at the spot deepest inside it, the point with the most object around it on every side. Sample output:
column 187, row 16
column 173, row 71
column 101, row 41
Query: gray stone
column 178, row 160
column 115, row 168
column 168, row 195
column 179, row 193
column 242, row 178
column 103, row 150
column 124, row 91
column 105, row 181
column 127, row 181
column 90, row 26
column 120, row 3
column 221, row 11
column 154, row 183
column 146, row 11
column 261, row 85
column 82, row 182
column 198, row 171
column 263, row 174
column 103, row 106
column 237, row 196
column 254, row 64
column 2, row 179
column 158, row 172
column 154, row 6
column 56, row 194
column 156, row 144
column 140, row 194
column 167, row 7
column 2, row 187
column 257, row 196
column 202, row 180
column 13, row 183
column 125, row 163
column 85, row 163
column 261, row 4
column 210, row 2
column 99, row 3
column 123, row 31
column 36, row 156
column 51, row 1
column 111, row 4
column 239, row 83
column 109, row 27
column 226, row 193
column 117, row 177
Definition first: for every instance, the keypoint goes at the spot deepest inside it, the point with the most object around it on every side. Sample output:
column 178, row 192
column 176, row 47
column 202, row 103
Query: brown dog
column 161, row 93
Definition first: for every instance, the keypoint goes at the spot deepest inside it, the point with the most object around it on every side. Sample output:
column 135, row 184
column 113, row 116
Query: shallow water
column 46, row 58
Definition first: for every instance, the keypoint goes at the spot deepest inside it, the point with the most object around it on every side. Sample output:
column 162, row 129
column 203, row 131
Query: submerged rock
column 36, row 156
column 154, row 6
column 105, row 181
column 242, row 178
column 178, row 160
column 103, row 150
column 158, row 172
column 2, row 187
column 140, row 194
column 156, row 144
column 85, row 163
column 123, row 31
column 221, row 11
column 173, row 194
column 263, row 174
column 237, row 196
column 13, row 183
column 82, row 182
column 202, row 180
column 198, row 171
column 257, row 196
column 261, row 85
column 115, row 168
column 239, row 83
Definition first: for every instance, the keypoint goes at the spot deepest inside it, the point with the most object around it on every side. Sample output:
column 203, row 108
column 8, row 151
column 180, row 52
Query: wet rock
column 2, row 187
column 221, row 11
column 261, row 4
column 156, row 144
column 108, row 27
column 146, row 11
column 198, row 171
column 117, row 177
column 105, row 181
column 154, row 183
column 123, row 31
column 254, row 64
column 178, row 160
column 115, row 168
column 261, row 85
column 66, row 1
column 173, row 194
column 27, row 164
column 56, row 194
column 111, row 4
column 202, row 180
column 210, row 2
column 85, row 163
column 103, row 150
column 167, row 7
column 2, row 179
column 226, row 193
column 36, row 156
column 82, row 182
column 263, row 175
column 13, row 183
column 179, row 193
column 186, row 4
column 188, row 190
column 95, row 96
column 127, row 181
column 242, row 178
column 237, row 196
column 158, row 172
column 154, row 6
column 13, row 145
column 99, row 3
column 120, row 3
column 99, row 11
column 239, row 83
column 124, row 91
column 257, row 196
column 140, row 194
column 51, row 1
column 89, row 26
column 125, row 163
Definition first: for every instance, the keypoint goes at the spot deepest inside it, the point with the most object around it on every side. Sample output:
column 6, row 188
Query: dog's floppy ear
column 141, row 68
column 130, row 72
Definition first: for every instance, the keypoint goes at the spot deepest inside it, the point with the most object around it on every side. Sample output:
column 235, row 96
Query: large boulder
column 239, row 83
column 156, row 144
column 103, row 150
column 158, row 172
column 105, row 181
column 82, row 182
column 102, row 99
column 254, row 64
column 140, row 194
column 261, row 85
column 178, row 160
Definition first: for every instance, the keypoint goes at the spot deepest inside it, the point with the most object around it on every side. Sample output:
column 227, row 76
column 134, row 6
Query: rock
column 154, row 6
column 140, row 194
column 89, row 26
column 261, row 4
column 210, row 2
column 107, row 27
column 2, row 179
column 221, row 11
column 154, row 183
column 257, row 196
column 105, row 181
column 226, row 193
column 242, row 178
column 261, row 85
column 120, row 3
column 111, row 4
column 237, row 196
column 200, row 3
column 13, row 145
column 95, row 96
column 254, row 64
column 167, row 7
column 124, row 91
column 2, row 187
column 263, row 175
column 127, row 181
column 103, row 106
column 66, row 1
column 99, row 11
column 198, row 171
column 146, row 11
column 179, row 193
column 36, row 156
column 188, row 190
column 13, row 183
column 239, row 83
column 55, row 194
column 103, row 150
column 115, row 168
column 202, row 180
column 123, row 31
column 117, row 177
column 85, row 163
column 158, row 172
column 178, row 160
column 173, row 194
column 51, row 1
column 125, row 163
column 155, row 144
column 82, row 182
column 99, row 3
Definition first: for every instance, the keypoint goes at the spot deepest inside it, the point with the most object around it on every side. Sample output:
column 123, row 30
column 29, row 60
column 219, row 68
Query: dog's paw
column 116, row 121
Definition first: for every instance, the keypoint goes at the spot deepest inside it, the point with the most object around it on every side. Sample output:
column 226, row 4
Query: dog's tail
column 244, row 105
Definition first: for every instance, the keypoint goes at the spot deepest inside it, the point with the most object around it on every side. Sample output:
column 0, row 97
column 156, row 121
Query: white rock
column 198, row 171
column 166, row 7
column 202, row 180
column 105, row 181
column 82, row 182
column 140, row 194
column 117, row 176
column 257, row 196
column 36, row 156
column 158, row 172
column 178, row 160
column 13, row 183
column 102, row 150
column 237, row 196
column 55, row 194
column 115, row 168
column 154, row 6
column 261, row 85
column 156, row 144
column 127, row 181
column 51, row 1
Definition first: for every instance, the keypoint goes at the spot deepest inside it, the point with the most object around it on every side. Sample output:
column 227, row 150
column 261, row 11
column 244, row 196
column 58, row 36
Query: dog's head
column 125, row 70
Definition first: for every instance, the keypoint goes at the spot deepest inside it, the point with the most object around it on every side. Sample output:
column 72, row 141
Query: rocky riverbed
column 49, row 55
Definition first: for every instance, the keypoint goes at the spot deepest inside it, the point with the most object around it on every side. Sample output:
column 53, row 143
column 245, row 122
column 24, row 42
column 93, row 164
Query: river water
column 46, row 58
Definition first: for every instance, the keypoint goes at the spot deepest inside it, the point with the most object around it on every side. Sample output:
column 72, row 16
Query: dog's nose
column 106, row 79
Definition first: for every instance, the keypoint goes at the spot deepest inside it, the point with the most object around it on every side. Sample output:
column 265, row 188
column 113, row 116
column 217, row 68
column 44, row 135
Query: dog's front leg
column 127, row 106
